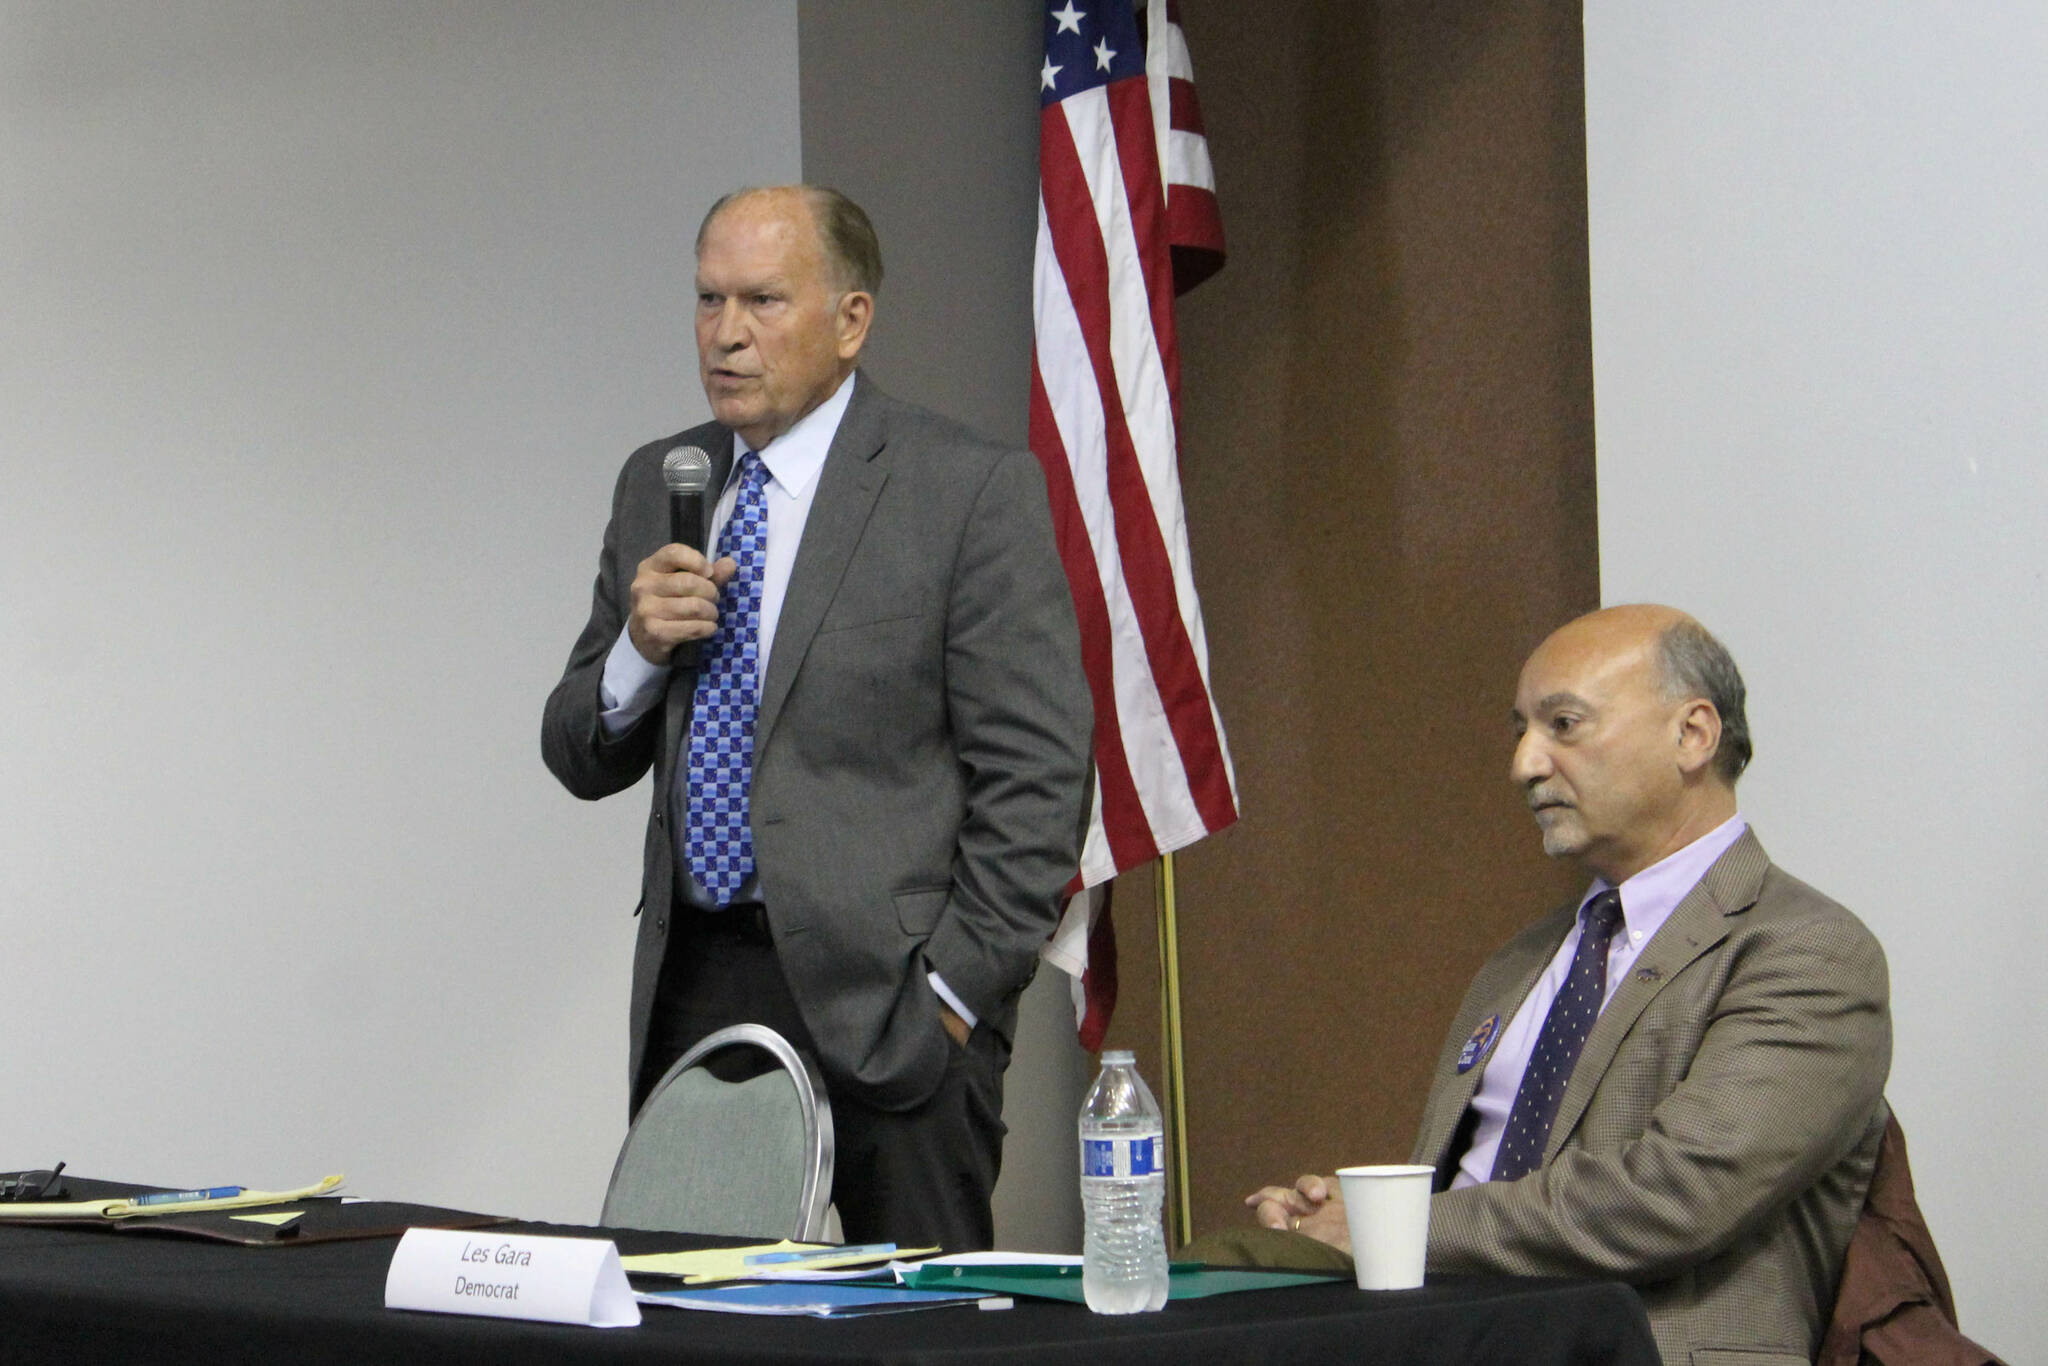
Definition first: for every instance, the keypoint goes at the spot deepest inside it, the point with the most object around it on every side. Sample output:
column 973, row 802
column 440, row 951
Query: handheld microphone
column 687, row 472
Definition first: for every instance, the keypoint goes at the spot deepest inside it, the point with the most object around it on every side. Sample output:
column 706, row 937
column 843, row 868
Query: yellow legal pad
column 124, row 1207
column 707, row 1266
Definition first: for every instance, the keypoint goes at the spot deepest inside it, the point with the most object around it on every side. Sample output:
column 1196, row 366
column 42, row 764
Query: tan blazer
column 1718, row 1135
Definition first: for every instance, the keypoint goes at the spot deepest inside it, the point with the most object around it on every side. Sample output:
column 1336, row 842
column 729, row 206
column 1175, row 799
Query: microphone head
column 686, row 469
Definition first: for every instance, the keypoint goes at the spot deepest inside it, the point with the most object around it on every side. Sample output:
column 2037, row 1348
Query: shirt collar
column 1649, row 898
column 795, row 458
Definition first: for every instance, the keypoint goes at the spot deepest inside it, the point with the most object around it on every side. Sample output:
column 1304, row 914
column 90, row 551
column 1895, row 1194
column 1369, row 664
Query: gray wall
column 925, row 112
column 323, row 330
column 1818, row 323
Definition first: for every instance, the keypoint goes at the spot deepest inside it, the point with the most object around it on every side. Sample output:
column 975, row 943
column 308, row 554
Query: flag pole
column 1175, row 1056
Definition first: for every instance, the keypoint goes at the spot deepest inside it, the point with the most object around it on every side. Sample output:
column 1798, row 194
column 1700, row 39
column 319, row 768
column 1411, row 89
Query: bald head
column 1620, row 627
column 845, row 237
column 1622, row 749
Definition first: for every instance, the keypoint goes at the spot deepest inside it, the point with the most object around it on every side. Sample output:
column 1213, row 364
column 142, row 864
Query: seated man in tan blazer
column 1685, row 1090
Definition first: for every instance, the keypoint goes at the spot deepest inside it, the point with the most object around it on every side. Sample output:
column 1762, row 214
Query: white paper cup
column 1387, row 1209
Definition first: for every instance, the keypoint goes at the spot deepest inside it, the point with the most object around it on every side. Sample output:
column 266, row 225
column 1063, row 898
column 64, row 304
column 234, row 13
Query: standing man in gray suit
column 865, row 715
column 1677, row 1079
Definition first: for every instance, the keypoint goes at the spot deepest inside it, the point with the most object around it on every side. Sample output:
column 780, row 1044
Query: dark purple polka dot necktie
column 1557, row 1048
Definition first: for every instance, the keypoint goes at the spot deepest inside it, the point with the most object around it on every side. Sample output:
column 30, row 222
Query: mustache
column 1540, row 797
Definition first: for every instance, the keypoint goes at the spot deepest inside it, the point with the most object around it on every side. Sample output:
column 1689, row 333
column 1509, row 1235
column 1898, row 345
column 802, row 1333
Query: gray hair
column 1694, row 664
column 852, row 250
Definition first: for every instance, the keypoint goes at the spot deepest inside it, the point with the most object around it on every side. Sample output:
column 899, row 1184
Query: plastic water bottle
column 1123, row 1192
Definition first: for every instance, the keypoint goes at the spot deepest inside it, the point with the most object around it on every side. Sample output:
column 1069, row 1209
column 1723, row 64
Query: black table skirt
column 102, row 1297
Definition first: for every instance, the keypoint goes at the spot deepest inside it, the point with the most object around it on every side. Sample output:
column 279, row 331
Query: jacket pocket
column 917, row 910
column 1748, row 1356
column 868, row 620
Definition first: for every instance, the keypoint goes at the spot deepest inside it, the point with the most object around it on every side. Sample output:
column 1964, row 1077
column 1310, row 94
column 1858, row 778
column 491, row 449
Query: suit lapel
column 721, row 471
column 1696, row 924
column 847, row 488
column 1509, row 979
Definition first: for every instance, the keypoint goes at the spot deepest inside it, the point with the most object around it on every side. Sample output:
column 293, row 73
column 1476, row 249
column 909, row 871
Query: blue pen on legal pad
column 186, row 1197
column 818, row 1254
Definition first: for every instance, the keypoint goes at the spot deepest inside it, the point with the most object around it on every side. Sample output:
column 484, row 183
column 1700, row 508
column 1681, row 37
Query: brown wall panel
column 1388, row 454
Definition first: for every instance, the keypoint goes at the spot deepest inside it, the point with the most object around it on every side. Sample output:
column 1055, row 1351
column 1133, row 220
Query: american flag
column 1126, row 220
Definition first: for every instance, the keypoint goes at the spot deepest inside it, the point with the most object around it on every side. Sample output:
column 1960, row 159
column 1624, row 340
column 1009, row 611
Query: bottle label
column 1120, row 1156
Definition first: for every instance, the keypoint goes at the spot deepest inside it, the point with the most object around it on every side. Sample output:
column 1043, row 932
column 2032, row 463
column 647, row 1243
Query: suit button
column 660, row 818
column 661, row 922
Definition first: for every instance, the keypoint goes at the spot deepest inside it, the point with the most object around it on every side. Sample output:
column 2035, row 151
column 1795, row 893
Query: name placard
column 511, row 1276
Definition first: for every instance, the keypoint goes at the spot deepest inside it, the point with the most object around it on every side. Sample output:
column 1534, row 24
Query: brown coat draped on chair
column 1894, row 1307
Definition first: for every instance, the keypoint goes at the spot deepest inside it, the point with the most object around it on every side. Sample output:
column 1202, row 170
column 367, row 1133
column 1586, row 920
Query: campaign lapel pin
column 1475, row 1047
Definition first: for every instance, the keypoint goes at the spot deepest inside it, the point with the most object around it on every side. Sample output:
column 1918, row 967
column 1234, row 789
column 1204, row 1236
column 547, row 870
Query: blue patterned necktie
column 1557, row 1048
column 720, row 845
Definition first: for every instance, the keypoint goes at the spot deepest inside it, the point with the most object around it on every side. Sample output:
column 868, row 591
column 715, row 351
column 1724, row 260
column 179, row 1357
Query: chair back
column 751, row 1157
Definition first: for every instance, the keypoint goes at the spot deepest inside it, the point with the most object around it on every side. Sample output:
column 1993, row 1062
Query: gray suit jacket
column 1718, row 1134
column 922, row 747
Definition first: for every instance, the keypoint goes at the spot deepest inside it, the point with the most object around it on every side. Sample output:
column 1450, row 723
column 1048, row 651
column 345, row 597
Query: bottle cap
column 1118, row 1057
